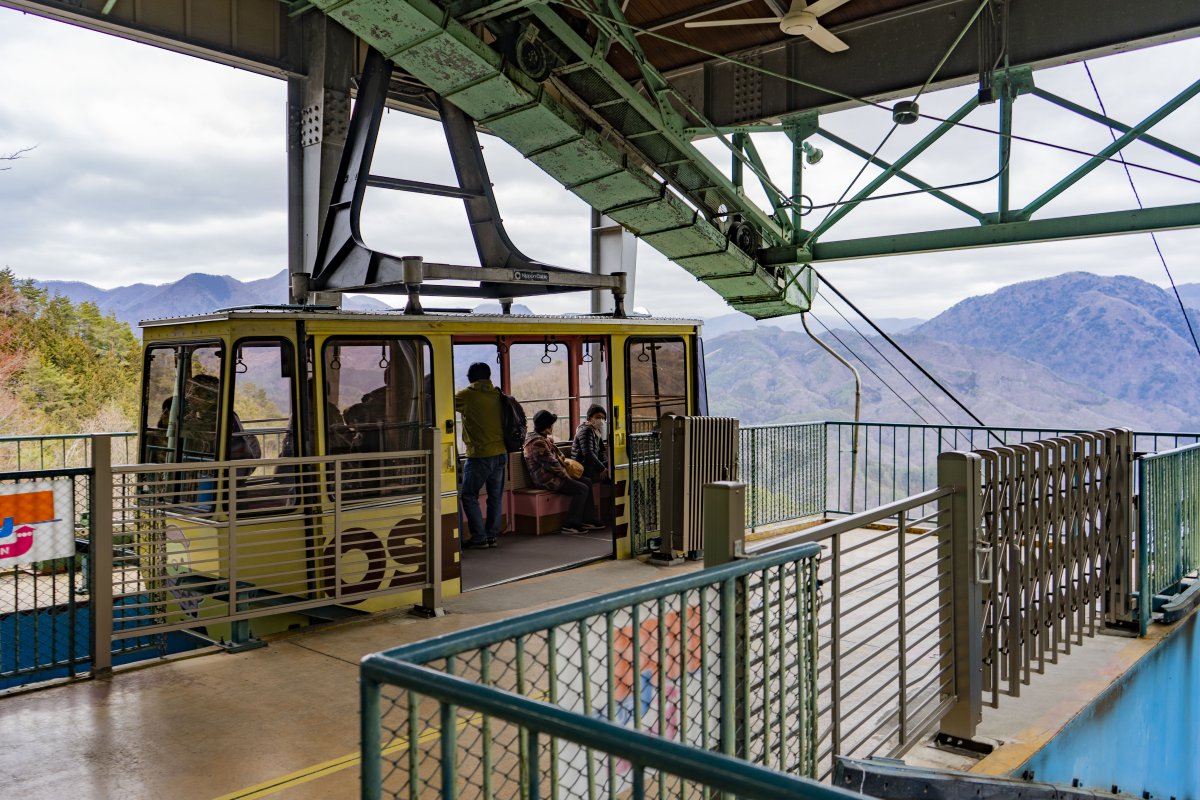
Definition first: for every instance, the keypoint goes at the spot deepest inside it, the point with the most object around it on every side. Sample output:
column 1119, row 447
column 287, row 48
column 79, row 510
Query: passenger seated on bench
column 588, row 447
column 548, row 471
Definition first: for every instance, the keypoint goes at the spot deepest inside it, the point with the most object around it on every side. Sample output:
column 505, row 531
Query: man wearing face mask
column 589, row 446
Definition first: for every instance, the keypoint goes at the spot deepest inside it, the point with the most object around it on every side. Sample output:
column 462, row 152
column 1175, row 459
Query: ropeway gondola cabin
column 308, row 457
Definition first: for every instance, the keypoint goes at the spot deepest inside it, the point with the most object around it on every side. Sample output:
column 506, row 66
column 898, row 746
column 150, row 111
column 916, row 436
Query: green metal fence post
column 100, row 513
column 369, row 731
column 728, row 655
column 968, row 567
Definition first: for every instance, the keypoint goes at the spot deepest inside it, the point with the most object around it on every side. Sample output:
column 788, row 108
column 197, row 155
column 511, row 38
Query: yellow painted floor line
column 399, row 744
column 396, row 745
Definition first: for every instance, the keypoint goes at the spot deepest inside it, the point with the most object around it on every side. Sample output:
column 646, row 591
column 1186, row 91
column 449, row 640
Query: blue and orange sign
column 30, row 530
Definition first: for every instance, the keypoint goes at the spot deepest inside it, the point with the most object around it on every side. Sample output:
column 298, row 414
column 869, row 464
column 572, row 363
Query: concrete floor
column 282, row 721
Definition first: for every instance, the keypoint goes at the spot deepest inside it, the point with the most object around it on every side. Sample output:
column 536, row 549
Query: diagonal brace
column 894, row 170
column 1117, row 145
column 901, row 174
column 1096, row 116
column 776, row 199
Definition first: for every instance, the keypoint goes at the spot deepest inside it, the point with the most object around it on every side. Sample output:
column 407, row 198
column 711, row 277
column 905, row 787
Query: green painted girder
column 427, row 41
column 1163, row 218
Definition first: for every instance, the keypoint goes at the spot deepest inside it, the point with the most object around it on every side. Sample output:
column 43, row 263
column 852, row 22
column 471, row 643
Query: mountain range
column 1076, row 350
column 730, row 323
column 197, row 293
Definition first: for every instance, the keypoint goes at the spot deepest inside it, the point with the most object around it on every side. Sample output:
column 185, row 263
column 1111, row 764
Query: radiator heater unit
column 695, row 451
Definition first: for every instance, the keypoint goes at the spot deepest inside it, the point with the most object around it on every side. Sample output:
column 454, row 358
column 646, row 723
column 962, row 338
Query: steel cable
column 1138, row 198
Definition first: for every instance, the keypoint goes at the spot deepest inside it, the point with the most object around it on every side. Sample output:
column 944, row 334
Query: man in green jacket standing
column 483, row 434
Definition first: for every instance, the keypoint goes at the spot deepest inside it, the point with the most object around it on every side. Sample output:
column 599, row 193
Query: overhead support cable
column 870, row 369
column 1061, row 147
column 1136, row 196
column 888, row 361
column 904, row 353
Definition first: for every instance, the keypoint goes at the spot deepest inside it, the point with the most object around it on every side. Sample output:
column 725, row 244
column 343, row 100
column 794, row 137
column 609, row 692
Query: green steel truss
column 626, row 148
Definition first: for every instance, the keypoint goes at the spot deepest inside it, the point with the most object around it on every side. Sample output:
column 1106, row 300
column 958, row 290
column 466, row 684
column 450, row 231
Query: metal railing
column 1057, row 528
column 61, row 451
column 1168, row 524
column 721, row 661
column 644, row 452
column 886, row 644
column 192, row 545
column 784, row 469
column 801, row 470
column 898, row 460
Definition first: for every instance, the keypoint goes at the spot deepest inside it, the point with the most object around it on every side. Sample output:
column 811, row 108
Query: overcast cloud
column 150, row 165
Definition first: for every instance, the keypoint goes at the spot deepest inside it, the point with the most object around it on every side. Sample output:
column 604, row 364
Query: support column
column 100, row 555
column 614, row 250
column 960, row 519
column 318, row 115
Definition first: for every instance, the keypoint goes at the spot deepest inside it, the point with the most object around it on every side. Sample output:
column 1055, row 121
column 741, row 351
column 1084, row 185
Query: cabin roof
column 398, row 316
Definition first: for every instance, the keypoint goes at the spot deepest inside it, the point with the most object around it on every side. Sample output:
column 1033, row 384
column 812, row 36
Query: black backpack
column 512, row 422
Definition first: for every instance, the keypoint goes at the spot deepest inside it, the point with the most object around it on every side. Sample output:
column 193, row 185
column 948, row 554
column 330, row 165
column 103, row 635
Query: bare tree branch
column 15, row 156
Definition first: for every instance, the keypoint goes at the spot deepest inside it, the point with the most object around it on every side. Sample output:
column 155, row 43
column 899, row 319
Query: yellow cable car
column 322, row 417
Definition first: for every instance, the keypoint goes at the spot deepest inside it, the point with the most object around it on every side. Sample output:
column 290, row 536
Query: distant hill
column 1190, row 294
column 1077, row 350
column 1120, row 336
column 197, row 293
column 728, row 323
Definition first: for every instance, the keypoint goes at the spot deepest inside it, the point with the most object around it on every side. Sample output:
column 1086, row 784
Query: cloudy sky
column 149, row 165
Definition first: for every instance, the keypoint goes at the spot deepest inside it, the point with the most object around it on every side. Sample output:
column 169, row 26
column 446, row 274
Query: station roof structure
column 610, row 96
column 890, row 41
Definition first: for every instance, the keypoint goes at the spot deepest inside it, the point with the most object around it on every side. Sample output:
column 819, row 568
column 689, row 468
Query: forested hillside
column 1120, row 336
column 64, row 367
column 1076, row 350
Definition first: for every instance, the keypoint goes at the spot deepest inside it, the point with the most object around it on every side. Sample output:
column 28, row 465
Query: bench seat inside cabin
column 529, row 509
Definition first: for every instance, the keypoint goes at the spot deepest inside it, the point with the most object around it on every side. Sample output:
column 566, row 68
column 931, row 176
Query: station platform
column 279, row 721
column 282, row 721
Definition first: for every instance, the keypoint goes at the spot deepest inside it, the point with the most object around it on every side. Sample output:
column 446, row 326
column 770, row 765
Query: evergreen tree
column 63, row 368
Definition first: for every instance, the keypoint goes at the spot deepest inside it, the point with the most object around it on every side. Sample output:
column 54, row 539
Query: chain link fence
column 44, row 630
column 722, row 661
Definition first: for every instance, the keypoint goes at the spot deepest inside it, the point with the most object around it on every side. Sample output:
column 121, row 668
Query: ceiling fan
column 800, row 20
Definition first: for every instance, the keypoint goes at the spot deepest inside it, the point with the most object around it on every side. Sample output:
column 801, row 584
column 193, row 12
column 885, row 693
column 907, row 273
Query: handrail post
column 100, row 514
column 431, row 596
column 1145, row 596
column 723, row 506
column 1119, row 576
column 962, row 627
column 372, row 742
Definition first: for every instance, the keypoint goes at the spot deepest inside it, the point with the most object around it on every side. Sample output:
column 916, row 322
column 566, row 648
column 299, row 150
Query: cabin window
column 539, row 374
column 261, row 425
column 592, row 377
column 464, row 356
column 657, row 381
column 181, row 403
column 379, row 394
